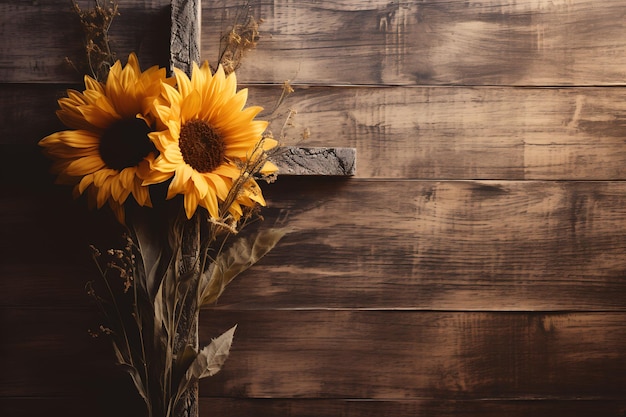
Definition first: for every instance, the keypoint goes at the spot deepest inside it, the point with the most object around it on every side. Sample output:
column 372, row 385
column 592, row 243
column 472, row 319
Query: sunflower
column 108, row 152
column 211, row 146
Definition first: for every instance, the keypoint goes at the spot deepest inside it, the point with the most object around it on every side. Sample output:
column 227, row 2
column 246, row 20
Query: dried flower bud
column 105, row 330
column 95, row 251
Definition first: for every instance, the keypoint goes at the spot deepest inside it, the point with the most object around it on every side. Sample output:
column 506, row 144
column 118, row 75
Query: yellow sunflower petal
column 117, row 191
column 213, row 96
column 227, row 170
column 190, row 106
column 79, row 138
column 183, row 82
column 104, row 191
column 235, row 210
column 156, row 177
column 251, row 133
column 141, row 193
column 269, row 143
column 85, row 182
column 174, row 128
column 98, row 117
column 269, row 168
column 251, row 112
column 198, row 76
column 162, row 113
column 210, row 203
column 86, row 165
column 171, row 95
column 91, row 84
column 133, row 63
column 230, row 86
column 253, row 192
column 103, row 178
column 179, row 182
column 191, row 203
column 200, row 182
column 115, row 70
column 234, row 106
column 172, row 154
column 220, row 186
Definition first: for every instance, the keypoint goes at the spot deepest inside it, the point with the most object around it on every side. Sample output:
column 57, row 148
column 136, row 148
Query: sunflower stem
column 186, row 322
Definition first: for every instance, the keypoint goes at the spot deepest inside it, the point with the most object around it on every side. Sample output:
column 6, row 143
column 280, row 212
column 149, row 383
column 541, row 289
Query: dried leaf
column 182, row 363
column 150, row 250
column 240, row 256
column 169, row 296
column 209, row 360
column 121, row 360
column 160, row 323
column 132, row 371
column 134, row 374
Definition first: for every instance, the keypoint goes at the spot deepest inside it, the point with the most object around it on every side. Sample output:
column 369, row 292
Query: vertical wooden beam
column 185, row 34
column 184, row 51
column 187, row 330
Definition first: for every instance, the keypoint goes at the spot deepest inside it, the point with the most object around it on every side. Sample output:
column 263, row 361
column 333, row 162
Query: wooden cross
column 184, row 50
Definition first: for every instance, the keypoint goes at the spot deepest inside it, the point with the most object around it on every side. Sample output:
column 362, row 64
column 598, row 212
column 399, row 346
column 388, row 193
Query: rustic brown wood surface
column 267, row 407
column 38, row 35
column 492, row 42
column 473, row 267
column 418, row 133
column 526, row 42
column 452, row 245
column 382, row 355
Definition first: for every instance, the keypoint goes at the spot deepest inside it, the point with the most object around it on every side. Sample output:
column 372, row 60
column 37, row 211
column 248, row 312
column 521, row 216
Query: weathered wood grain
column 525, row 42
column 292, row 160
column 503, row 295
column 528, row 42
column 443, row 245
column 466, row 132
column 185, row 34
column 305, row 407
column 38, row 36
column 411, row 408
column 422, row 132
column 382, row 355
column 451, row 245
column 401, row 355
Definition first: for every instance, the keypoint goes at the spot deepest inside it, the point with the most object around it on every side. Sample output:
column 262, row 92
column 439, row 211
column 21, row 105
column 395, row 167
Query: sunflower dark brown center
column 203, row 148
column 125, row 143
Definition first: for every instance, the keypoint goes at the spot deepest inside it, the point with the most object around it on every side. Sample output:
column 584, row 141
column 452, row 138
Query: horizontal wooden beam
column 292, row 160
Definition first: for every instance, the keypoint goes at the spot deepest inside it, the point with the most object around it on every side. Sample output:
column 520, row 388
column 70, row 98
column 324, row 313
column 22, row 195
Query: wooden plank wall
column 474, row 266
